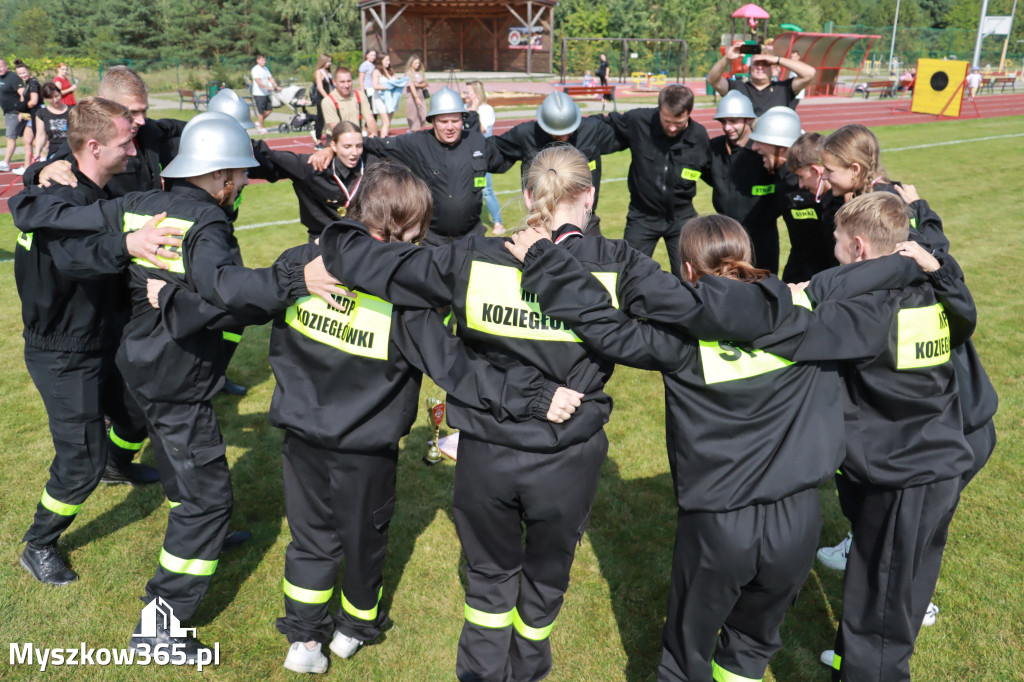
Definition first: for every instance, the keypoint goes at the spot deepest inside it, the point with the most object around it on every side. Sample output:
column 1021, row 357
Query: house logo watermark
column 156, row 617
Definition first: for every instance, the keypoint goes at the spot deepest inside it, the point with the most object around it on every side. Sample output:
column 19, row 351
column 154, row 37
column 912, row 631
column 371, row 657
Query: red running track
column 815, row 114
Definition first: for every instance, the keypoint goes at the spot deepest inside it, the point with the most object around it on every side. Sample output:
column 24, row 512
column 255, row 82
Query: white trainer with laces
column 303, row 660
column 929, row 615
column 835, row 557
column 19, row 171
column 4, row 166
column 343, row 645
column 828, row 656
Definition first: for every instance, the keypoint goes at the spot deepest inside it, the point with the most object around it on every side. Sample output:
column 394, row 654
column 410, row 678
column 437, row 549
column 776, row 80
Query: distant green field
column 610, row 626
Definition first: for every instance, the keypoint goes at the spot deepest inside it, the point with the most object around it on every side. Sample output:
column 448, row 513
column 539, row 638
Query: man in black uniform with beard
column 452, row 161
column 670, row 151
column 73, row 321
column 559, row 120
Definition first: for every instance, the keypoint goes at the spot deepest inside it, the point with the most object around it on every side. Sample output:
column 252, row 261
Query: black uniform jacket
column 742, row 188
column 502, row 321
column 903, row 420
column 664, row 170
column 64, row 306
column 156, row 144
column 321, row 199
column 175, row 353
column 456, row 173
column 811, row 242
column 743, row 427
column 593, row 138
column 350, row 380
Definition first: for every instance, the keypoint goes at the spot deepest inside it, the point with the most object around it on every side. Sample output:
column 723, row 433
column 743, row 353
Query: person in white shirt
column 476, row 100
column 262, row 85
column 973, row 83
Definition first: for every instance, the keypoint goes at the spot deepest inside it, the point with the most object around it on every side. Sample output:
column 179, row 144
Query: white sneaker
column 835, row 557
column 303, row 660
column 19, row 171
column 261, row 130
column 344, row 646
column 828, row 656
column 929, row 615
column 4, row 166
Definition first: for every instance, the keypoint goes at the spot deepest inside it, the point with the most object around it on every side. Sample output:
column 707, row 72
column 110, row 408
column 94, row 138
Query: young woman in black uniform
column 324, row 195
column 541, row 477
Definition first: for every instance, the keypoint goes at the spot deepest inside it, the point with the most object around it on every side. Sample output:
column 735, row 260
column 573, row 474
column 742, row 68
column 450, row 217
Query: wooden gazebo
column 469, row 35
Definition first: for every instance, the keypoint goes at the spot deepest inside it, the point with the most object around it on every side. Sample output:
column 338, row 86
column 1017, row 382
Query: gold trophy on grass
column 435, row 413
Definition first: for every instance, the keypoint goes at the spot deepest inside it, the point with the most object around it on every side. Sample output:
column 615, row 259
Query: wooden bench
column 883, row 88
column 192, row 97
column 604, row 92
column 1003, row 81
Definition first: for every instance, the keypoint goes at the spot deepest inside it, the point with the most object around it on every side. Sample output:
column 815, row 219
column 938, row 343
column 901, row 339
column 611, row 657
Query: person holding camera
column 763, row 92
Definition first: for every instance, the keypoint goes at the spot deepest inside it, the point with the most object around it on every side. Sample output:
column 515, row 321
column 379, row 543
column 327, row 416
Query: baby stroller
column 294, row 97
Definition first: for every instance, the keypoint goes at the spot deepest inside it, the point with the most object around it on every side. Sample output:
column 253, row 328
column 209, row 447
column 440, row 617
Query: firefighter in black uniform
column 73, row 316
column 808, row 211
column 756, row 534
column 669, row 153
column 347, row 389
column 452, row 161
column 325, row 195
column 188, row 445
column 559, row 120
column 742, row 188
column 507, row 474
column 155, row 141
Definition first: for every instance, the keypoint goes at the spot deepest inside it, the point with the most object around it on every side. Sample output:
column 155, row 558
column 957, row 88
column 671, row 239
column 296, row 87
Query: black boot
column 231, row 388
column 236, row 538
column 121, row 469
column 46, row 564
column 174, row 645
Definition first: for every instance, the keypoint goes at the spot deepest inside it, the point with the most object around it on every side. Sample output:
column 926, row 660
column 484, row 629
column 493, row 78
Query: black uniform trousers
column 643, row 234
column 765, row 239
column 515, row 589
column 734, row 575
column 436, row 239
column 339, row 507
column 78, row 390
column 898, row 539
column 191, row 458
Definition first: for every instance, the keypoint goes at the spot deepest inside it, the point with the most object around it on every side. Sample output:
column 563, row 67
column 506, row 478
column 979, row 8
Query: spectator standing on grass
column 366, row 74
column 263, row 84
column 67, row 88
column 30, row 97
column 762, row 91
column 476, row 100
column 347, row 104
column 9, row 99
column 387, row 90
column 419, row 91
column 51, row 120
column 322, row 85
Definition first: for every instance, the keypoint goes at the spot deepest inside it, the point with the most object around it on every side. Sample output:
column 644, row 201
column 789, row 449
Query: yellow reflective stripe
column 497, row 304
column 362, row 326
column 25, row 239
column 535, row 634
column 362, row 614
column 233, row 338
column 720, row 674
column 804, row 213
column 722, row 362
column 922, row 337
column 58, row 507
column 174, row 564
column 489, row 620
column 800, row 298
column 762, row 190
column 837, row 661
column 913, row 223
column 690, row 174
column 306, row 596
column 172, row 504
column 134, row 221
column 480, row 182
column 122, row 443
column 592, row 165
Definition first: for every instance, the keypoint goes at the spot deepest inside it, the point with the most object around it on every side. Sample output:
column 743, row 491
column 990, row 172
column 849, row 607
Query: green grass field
column 610, row 626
